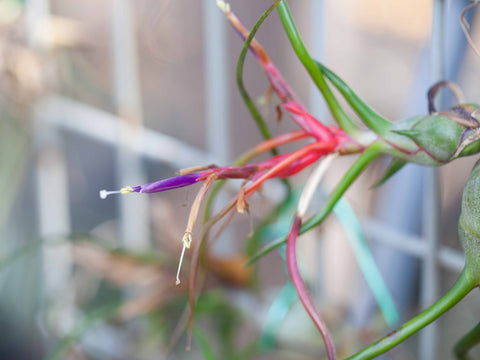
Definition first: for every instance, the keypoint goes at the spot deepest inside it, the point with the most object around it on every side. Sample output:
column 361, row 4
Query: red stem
column 302, row 290
column 274, row 142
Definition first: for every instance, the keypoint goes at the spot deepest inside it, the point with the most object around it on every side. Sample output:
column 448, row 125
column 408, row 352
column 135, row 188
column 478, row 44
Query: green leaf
column 203, row 344
column 371, row 118
column 224, row 317
column 366, row 262
column 412, row 134
column 394, row 166
column 276, row 315
column 262, row 126
column 290, row 28
column 468, row 341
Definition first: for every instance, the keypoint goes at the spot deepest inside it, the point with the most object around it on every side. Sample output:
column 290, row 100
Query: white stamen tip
column 104, row 193
column 177, row 282
column 225, row 7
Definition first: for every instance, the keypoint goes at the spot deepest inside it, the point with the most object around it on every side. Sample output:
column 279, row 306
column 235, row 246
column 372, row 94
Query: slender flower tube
column 157, row 186
column 294, row 162
column 272, row 143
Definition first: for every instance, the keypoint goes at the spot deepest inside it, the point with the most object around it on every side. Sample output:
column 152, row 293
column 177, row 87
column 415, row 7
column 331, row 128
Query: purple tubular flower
column 169, row 184
column 157, row 186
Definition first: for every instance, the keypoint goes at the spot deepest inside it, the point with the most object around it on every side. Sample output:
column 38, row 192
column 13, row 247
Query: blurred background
column 102, row 94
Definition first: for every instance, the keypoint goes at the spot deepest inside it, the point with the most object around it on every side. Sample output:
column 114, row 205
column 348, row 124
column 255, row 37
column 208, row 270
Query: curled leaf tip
column 466, row 26
column 435, row 88
column 470, row 139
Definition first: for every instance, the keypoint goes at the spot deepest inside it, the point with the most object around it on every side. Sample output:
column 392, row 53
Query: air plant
column 432, row 139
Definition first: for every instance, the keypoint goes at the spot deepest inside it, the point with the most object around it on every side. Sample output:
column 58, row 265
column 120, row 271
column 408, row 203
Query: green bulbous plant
column 469, row 235
column 469, row 225
column 436, row 135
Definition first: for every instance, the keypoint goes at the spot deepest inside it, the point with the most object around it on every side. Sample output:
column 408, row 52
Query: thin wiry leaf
column 466, row 27
column 394, row 166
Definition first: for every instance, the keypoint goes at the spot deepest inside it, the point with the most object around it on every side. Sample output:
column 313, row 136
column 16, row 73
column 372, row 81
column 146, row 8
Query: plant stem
column 302, row 289
column 460, row 289
column 468, row 341
column 342, row 118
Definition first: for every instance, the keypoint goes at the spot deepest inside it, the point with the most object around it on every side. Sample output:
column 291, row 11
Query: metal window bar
column 431, row 201
column 57, row 112
column 134, row 220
